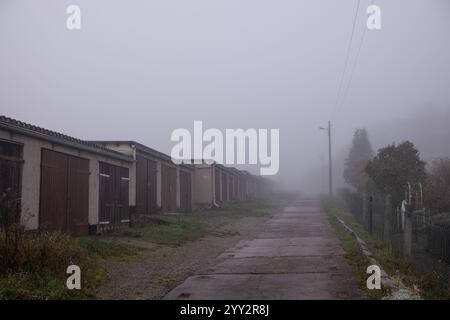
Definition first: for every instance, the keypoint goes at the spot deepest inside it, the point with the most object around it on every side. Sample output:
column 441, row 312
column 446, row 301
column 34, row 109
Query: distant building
column 215, row 185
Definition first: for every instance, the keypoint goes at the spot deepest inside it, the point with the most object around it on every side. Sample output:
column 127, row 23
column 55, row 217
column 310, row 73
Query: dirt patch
column 162, row 268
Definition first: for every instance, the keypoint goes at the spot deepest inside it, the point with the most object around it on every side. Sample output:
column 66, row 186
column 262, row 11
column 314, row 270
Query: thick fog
column 137, row 70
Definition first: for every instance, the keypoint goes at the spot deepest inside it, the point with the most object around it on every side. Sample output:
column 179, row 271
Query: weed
column 39, row 270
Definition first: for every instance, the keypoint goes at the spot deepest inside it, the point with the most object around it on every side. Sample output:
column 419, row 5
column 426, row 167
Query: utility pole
column 330, row 168
column 322, row 173
column 329, row 159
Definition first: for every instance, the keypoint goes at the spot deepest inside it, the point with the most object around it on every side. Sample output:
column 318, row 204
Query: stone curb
column 386, row 282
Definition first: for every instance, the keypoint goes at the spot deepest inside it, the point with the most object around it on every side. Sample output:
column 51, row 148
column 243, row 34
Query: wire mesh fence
column 421, row 237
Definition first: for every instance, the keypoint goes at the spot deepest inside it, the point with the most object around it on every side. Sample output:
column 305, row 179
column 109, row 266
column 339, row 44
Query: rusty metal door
column 78, row 196
column 152, row 206
column 173, row 189
column 141, row 184
column 182, row 191
column 231, row 188
column 185, row 192
column 53, row 197
column 236, row 187
column 64, row 196
column 11, row 161
column 189, row 192
column 224, row 187
column 169, row 189
column 123, row 205
column 113, row 195
column 106, row 194
column 145, row 186
column 164, row 188
column 217, row 185
column 242, row 188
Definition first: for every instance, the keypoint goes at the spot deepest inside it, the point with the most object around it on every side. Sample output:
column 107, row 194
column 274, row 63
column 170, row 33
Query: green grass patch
column 355, row 258
column 107, row 249
column 176, row 230
column 41, row 261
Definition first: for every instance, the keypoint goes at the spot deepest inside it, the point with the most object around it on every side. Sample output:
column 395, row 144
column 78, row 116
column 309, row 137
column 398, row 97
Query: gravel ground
column 161, row 268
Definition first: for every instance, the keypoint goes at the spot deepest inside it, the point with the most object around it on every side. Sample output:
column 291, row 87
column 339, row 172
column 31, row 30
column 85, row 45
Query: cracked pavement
column 296, row 256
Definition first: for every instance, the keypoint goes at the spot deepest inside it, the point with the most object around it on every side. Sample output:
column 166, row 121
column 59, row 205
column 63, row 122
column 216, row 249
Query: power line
column 352, row 71
column 341, row 82
column 353, row 68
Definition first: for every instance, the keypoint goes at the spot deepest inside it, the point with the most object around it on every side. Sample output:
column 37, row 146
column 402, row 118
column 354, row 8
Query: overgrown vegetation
column 176, row 230
column 437, row 187
column 33, row 266
column 355, row 258
column 41, row 261
column 397, row 175
column 395, row 266
column 355, row 165
column 393, row 167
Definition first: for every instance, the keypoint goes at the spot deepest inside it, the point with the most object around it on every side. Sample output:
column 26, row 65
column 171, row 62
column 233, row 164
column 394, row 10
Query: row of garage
column 217, row 185
column 60, row 183
column 161, row 186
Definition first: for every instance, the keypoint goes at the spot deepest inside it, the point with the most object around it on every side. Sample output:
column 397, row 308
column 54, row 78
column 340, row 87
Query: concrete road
column 297, row 256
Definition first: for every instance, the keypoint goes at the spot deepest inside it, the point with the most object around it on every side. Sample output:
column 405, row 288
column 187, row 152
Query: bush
column 437, row 187
column 11, row 233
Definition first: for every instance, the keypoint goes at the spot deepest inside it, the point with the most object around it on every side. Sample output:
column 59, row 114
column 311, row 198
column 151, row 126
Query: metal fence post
column 407, row 233
column 387, row 218
column 364, row 209
column 370, row 214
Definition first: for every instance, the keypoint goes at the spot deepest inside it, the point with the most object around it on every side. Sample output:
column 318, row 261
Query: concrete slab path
column 296, row 256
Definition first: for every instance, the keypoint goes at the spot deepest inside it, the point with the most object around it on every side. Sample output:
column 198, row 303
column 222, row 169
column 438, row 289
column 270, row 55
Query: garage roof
column 142, row 148
column 33, row 131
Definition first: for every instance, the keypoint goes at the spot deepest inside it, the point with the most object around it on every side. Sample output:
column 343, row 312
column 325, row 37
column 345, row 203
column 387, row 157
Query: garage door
column 242, row 188
column 217, row 185
column 145, row 186
column 64, row 199
column 236, row 188
column 224, row 187
column 113, row 195
column 10, row 178
column 169, row 189
column 231, row 188
column 185, row 192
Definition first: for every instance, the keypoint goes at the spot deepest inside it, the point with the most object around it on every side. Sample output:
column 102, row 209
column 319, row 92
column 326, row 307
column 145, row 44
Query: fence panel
column 429, row 239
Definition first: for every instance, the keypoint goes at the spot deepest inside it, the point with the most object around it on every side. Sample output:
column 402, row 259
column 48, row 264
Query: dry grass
column 36, row 267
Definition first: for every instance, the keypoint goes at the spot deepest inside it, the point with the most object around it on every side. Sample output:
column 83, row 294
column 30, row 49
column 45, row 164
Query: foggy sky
column 140, row 69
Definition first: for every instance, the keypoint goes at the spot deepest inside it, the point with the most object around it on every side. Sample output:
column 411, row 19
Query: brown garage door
column 242, row 188
column 10, row 179
column 185, row 192
column 231, row 188
column 145, row 186
column 64, row 199
column 236, row 187
column 113, row 195
column 217, row 185
column 224, row 187
column 169, row 189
